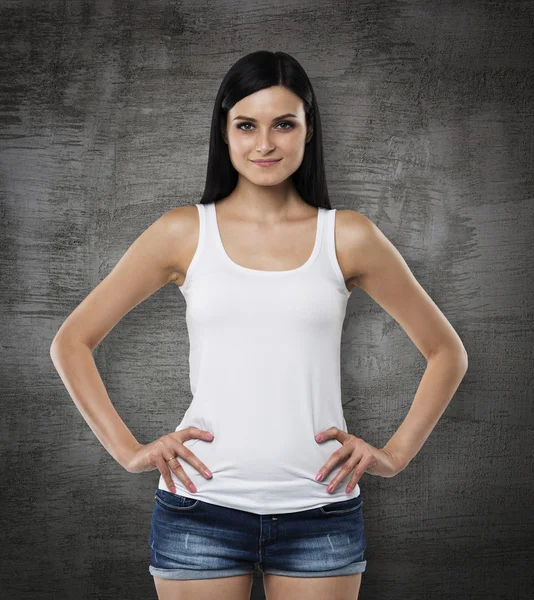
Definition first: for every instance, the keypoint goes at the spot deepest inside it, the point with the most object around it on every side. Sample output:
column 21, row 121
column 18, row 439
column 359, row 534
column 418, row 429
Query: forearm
column 444, row 372
column 76, row 366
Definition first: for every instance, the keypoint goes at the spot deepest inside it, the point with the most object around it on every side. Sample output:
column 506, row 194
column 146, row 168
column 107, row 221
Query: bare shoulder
column 354, row 236
column 181, row 218
column 155, row 258
column 182, row 223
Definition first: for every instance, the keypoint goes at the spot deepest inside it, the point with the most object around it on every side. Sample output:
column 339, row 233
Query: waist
column 274, row 478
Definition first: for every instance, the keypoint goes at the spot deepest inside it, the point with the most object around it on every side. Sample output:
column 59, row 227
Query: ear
column 309, row 135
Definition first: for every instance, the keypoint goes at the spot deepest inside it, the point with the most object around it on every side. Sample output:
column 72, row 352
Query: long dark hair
column 248, row 75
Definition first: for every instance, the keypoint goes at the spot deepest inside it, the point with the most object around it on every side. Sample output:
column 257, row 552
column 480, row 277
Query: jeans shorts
column 193, row 539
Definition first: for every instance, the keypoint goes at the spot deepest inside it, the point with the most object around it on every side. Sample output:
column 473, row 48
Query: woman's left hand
column 362, row 458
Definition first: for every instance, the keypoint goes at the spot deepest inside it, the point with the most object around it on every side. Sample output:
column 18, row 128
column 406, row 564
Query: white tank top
column 265, row 375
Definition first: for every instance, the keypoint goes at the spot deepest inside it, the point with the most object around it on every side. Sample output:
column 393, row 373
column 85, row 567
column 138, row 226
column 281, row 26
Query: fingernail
column 319, row 476
column 173, row 489
column 210, row 435
column 348, row 490
column 192, row 487
column 207, row 473
column 319, row 437
column 330, row 487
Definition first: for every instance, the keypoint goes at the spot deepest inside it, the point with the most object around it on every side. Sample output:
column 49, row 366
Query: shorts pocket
column 175, row 502
column 342, row 507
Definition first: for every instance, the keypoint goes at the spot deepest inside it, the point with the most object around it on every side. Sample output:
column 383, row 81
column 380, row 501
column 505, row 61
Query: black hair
column 251, row 73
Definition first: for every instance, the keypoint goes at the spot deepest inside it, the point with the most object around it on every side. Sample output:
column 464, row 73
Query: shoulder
column 353, row 223
column 354, row 231
column 358, row 240
column 180, row 221
column 180, row 228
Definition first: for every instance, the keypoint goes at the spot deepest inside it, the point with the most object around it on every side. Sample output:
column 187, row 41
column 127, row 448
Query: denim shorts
column 193, row 539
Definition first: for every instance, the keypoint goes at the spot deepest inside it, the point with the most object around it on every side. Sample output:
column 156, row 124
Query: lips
column 267, row 161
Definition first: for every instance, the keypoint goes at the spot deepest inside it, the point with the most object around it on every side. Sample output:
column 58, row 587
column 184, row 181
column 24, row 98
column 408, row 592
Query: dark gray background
column 427, row 120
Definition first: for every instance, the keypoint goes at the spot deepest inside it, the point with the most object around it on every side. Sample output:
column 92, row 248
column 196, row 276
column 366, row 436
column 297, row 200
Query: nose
column 263, row 143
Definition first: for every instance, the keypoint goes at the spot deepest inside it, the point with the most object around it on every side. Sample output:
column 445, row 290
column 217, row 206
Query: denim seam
column 175, row 508
column 341, row 511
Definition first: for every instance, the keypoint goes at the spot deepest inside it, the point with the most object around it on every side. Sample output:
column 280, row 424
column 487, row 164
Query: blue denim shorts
column 193, row 539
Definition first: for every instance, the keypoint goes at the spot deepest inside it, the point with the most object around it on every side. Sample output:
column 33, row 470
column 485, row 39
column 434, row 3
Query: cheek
column 238, row 143
column 293, row 152
column 293, row 145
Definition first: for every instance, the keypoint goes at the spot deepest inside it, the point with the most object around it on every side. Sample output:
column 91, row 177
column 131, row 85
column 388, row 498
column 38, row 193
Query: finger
column 192, row 459
column 344, row 472
column 361, row 468
column 167, row 461
column 327, row 434
column 191, row 432
column 333, row 433
column 163, row 468
column 178, row 470
column 332, row 462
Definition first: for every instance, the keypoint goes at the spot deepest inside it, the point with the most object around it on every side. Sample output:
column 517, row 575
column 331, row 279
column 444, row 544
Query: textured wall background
column 428, row 125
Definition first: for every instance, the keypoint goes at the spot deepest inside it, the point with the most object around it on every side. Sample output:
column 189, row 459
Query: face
column 254, row 130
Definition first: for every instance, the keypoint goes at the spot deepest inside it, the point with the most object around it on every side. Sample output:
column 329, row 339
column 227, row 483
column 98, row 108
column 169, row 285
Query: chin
column 264, row 183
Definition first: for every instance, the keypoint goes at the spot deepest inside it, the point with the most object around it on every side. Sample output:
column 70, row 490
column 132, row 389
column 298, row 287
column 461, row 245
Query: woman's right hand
column 156, row 455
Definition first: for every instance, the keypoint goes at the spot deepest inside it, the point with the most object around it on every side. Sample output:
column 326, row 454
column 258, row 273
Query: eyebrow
column 275, row 119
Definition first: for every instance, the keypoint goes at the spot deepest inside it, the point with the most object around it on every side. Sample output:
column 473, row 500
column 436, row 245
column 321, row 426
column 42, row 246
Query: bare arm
column 149, row 264
column 375, row 265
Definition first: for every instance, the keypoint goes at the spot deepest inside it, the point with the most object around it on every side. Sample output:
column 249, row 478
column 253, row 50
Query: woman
column 266, row 268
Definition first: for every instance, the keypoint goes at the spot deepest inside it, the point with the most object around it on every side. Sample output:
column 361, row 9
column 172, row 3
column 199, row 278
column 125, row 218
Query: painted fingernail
column 319, row 437
column 207, row 473
column 192, row 487
column 319, row 476
column 330, row 487
column 348, row 490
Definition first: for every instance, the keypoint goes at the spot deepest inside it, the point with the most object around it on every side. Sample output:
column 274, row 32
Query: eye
column 286, row 123
column 291, row 126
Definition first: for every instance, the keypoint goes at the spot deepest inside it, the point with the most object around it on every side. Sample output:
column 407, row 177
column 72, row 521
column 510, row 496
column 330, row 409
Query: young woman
column 266, row 267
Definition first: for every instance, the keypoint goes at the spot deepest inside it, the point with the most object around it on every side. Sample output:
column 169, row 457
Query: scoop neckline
column 311, row 258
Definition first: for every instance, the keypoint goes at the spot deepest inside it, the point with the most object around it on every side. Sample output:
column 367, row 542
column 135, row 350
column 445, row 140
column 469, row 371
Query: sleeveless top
column 265, row 375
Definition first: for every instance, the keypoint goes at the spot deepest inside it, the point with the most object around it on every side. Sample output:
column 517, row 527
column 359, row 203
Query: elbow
column 55, row 347
column 463, row 360
column 58, row 341
column 462, row 355
column 466, row 360
column 455, row 352
column 60, row 345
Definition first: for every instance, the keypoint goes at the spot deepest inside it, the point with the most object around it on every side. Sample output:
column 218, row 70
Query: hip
column 191, row 536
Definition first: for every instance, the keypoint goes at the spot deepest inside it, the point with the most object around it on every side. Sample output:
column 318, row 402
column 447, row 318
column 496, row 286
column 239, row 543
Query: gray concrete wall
column 427, row 115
